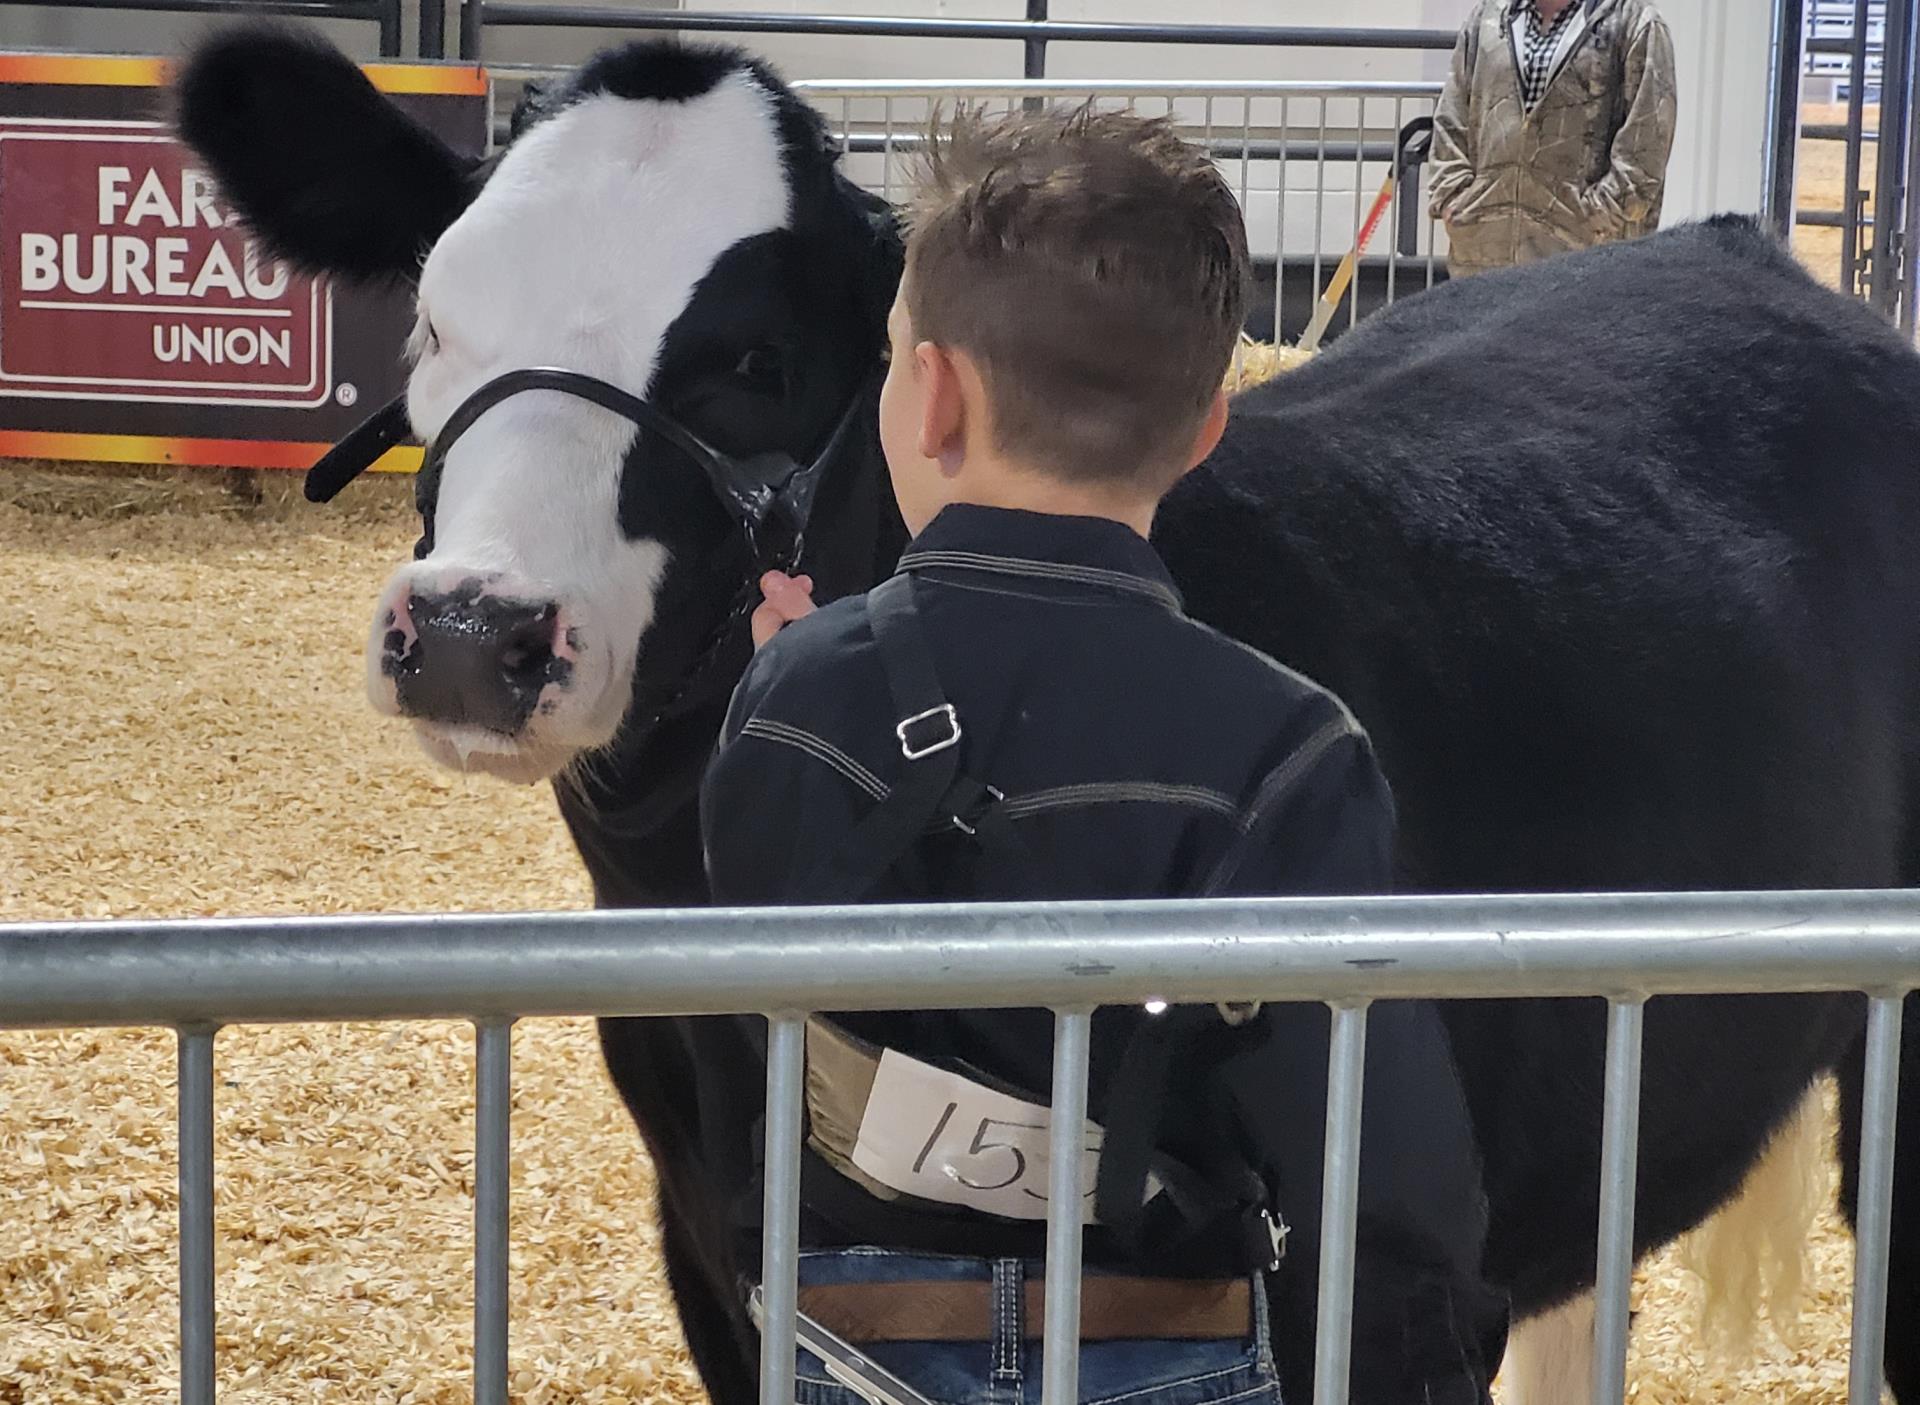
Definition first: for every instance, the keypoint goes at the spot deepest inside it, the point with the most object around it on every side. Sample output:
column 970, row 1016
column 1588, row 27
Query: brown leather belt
column 1111, row 1309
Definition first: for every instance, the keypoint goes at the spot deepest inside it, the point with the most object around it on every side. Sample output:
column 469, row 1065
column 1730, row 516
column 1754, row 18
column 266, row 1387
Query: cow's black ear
column 885, row 260
column 328, row 173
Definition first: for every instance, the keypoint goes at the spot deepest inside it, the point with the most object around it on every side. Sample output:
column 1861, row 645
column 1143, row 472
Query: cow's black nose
column 474, row 659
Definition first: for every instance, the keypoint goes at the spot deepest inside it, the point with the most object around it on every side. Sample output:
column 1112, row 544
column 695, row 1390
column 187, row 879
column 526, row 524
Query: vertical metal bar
column 1910, row 247
column 886, row 152
column 1035, row 65
column 473, row 20
column 1319, row 196
column 780, row 1245
column 1206, row 124
column 1399, row 179
column 1280, row 234
column 1619, row 1159
column 1433, row 225
column 1246, row 178
column 433, row 29
column 1433, row 244
column 1783, row 115
column 1246, row 147
column 1856, row 117
column 1359, row 206
column 195, row 1074
column 1340, row 1204
column 1873, row 1217
column 390, row 29
column 492, row 1167
column 1066, row 1202
column 1890, row 190
column 846, row 125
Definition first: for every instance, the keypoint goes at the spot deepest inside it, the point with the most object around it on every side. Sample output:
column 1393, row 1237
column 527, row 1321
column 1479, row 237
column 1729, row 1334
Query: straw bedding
column 183, row 734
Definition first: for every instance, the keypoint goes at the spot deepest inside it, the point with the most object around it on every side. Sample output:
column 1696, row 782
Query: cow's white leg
column 1549, row 1358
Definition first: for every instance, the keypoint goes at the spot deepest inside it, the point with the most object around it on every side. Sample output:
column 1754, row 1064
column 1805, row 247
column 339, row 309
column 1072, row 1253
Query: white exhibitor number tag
column 942, row 1137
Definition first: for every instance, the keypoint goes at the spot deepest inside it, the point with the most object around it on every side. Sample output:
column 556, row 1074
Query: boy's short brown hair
column 1094, row 265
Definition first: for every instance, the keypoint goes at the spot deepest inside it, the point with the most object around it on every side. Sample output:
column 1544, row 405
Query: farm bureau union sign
column 138, row 321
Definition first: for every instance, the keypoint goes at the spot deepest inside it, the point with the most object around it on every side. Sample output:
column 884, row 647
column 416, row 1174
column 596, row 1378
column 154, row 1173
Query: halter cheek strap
column 756, row 491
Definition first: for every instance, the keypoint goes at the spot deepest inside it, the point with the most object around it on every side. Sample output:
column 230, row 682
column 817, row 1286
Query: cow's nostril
column 526, row 658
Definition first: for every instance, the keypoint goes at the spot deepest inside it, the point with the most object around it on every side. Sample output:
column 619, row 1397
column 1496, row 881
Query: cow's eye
column 761, row 368
column 424, row 341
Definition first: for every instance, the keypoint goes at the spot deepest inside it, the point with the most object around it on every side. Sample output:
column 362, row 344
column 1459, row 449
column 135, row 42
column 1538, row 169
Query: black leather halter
column 769, row 496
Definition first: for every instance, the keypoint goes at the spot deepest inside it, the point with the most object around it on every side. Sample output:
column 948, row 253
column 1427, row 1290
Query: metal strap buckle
column 1277, row 1232
column 994, row 796
column 945, row 712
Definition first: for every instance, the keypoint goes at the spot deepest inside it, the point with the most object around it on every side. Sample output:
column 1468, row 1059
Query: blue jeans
column 1006, row 1371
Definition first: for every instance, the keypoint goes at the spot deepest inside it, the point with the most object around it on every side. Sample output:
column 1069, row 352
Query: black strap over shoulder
column 929, row 735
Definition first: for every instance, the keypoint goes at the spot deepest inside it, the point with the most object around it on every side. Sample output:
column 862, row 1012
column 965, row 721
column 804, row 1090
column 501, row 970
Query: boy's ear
column 1207, row 438
column 330, row 175
column 943, row 404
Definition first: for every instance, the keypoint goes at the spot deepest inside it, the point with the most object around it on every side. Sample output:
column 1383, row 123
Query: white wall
column 1721, row 50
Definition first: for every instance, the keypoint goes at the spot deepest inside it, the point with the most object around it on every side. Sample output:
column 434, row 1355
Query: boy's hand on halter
column 787, row 598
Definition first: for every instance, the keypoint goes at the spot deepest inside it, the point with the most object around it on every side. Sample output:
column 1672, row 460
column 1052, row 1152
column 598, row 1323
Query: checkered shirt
column 1540, row 46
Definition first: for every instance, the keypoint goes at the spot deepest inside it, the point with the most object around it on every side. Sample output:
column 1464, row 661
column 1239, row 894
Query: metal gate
column 1868, row 44
column 1307, row 161
column 1071, row 957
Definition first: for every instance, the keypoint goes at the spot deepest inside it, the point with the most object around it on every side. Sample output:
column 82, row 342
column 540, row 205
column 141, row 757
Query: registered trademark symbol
column 347, row 393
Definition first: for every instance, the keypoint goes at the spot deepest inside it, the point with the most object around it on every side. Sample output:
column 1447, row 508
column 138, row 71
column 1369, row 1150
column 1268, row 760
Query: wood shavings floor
column 183, row 734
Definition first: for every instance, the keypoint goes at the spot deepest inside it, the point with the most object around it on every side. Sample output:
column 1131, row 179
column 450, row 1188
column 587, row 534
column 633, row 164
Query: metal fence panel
column 1071, row 956
column 1307, row 159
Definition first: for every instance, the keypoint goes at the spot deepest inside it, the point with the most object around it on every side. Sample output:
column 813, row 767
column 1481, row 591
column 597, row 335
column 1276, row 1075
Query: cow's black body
column 1616, row 558
column 1612, row 558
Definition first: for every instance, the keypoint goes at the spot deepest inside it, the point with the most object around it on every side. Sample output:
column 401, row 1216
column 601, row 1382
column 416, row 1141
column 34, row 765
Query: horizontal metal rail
column 504, row 14
column 1828, row 219
column 720, row 961
column 1831, row 44
column 874, row 143
column 1155, row 88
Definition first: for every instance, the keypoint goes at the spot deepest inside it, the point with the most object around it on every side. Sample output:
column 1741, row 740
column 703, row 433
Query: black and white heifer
column 1614, row 555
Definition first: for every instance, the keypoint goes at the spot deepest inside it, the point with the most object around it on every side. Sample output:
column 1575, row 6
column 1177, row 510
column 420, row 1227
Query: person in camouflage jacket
column 1553, row 130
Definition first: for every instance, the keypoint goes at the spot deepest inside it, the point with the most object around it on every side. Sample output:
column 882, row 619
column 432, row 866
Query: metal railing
column 385, row 13
column 1306, row 160
column 1071, row 957
column 476, row 16
column 1879, row 258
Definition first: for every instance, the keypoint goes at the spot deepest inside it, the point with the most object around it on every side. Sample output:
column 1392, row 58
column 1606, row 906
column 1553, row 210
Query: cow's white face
column 534, row 595
column 670, row 221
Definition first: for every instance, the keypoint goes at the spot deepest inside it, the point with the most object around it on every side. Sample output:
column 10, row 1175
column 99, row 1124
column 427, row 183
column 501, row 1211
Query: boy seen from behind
column 1023, row 711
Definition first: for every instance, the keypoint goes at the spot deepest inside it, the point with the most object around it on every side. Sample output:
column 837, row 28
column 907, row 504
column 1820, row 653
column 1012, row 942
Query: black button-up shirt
column 1141, row 755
